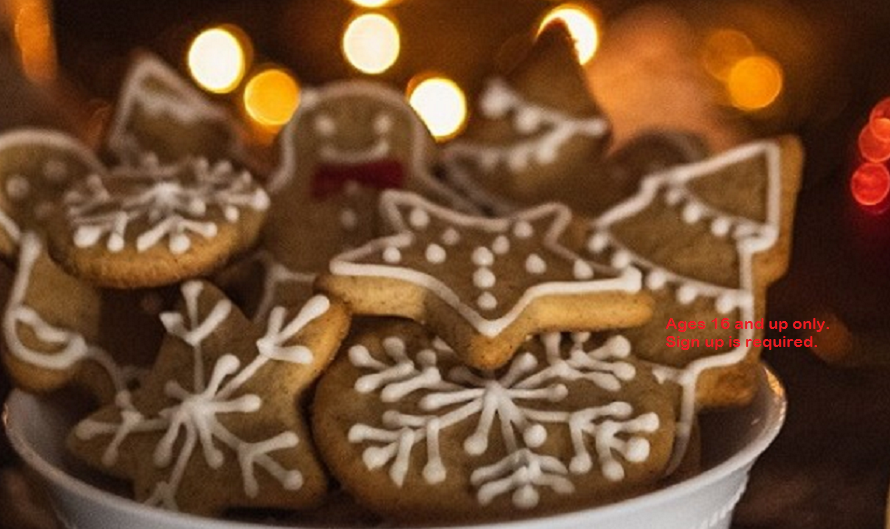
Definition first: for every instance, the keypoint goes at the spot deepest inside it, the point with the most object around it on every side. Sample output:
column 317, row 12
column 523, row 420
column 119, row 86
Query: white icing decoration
column 392, row 255
column 523, row 230
column 362, row 261
column 521, row 404
column 553, row 129
column 190, row 421
column 419, row 218
column 450, row 236
column 484, row 278
column 69, row 347
column 535, row 265
column 751, row 237
column 174, row 200
column 383, row 123
column 500, row 245
column 435, row 253
column 324, row 125
column 348, row 219
column 17, row 188
column 487, row 301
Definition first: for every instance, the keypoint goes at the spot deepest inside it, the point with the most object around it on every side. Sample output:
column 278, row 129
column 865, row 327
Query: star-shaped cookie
column 221, row 405
column 482, row 284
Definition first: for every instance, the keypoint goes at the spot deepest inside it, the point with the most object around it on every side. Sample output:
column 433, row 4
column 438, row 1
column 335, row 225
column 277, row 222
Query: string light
column 871, row 146
column 440, row 103
column 34, row 38
column 371, row 43
column 271, row 97
column 372, row 4
column 879, row 120
column 217, row 59
column 754, row 82
column 582, row 26
column 722, row 49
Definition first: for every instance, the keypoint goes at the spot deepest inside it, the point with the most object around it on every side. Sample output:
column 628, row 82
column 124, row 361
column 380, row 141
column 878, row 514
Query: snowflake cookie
column 538, row 135
column 153, row 224
column 61, row 331
column 709, row 237
column 571, row 421
column 482, row 284
column 221, row 405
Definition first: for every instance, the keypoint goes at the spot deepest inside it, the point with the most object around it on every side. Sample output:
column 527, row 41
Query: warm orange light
column 582, row 26
column 879, row 121
column 372, row 3
column 271, row 97
column 34, row 38
column 217, row 59
column 870, row 184
column 754, row 82
column 440, row 103
column 722, row 49
column 371, row 43
column 872, row 147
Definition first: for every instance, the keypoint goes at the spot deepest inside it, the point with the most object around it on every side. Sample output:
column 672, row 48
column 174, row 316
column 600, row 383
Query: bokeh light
column 217, row 59
column 879, row 120
column 870, row 184
column 441, row 104
column 372, row 3
column 582, row 26
column 722, row 49
column 872, row 147
column 371, row 43
column 754, row 82
column 271, row 97
column 34, row 38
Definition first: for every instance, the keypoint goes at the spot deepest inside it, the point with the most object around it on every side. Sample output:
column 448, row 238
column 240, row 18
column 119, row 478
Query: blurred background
column 729, row 70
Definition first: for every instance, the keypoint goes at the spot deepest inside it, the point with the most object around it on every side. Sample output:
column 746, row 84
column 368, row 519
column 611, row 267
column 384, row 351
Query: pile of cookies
column 473, row 331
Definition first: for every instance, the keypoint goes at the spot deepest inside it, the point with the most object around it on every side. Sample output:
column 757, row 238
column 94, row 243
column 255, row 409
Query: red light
column 879, row 121
column 872, row 147
column 870, row 184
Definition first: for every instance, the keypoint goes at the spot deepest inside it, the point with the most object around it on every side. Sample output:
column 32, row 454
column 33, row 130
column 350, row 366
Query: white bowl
column 731, row 442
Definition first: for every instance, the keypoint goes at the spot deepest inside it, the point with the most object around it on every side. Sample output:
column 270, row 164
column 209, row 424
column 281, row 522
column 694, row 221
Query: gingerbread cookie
column 417, row 436
column 161, row 113
column 348, row 141
column 61, row 331
column 155, row 224
column 709, row 238
column 482, row 284
column 36, row 167
column 538, row 135
column 220, row 405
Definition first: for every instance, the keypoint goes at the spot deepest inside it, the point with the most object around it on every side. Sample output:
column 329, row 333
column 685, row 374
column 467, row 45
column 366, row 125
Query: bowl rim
column 773, row 419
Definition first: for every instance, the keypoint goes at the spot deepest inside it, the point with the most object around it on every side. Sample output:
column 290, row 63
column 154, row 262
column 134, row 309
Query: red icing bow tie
column 332, row 178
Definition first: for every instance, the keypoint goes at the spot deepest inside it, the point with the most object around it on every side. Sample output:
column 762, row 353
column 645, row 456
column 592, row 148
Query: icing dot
column 525, row 497
column 692, row 213
column 435, row 254
column 612, row 470
column 656, row 279
column 673, row 196
column 392, row 255
column 582, row 270
column 17, row 188
column 482, row 256
column 535, row 435
column 348, row 219
column 487, row 301
column 598, row 242
column 527, row 120
column 418, row 218
column 720, row 226
column 535, row 265
column 382, row 123
column 450, row 237
column 484, row 278
column 55, row 171
column 687, row 294
column 324, row 125
column 501, row 245
column 621, row 259
column 726, row 302
column 523, row 230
